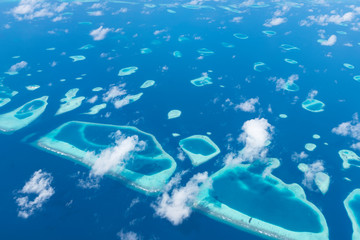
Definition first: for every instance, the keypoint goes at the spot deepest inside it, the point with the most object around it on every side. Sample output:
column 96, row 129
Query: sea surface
column 111, row 210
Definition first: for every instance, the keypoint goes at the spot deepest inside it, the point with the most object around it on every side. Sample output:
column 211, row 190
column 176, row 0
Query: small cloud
column 299, row 156
column 128, row 235
column 114, row 92
column 350, row 128
column 95, row 13
column 100, row 33
column 256, row 136
column 115, row 156
column 330, row 42
column 177, row 205
column 309, row 174
column 18, row 66
column 275, row 21
column 248, row 105
column 40, row 185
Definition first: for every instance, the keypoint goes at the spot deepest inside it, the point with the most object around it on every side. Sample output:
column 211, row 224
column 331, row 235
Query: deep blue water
column 76, row 213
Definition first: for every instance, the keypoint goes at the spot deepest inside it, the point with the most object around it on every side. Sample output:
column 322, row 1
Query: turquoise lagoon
column 147, row 171
column 199, row 148
column 22, row 116
column 244, row 197
column 352, row 206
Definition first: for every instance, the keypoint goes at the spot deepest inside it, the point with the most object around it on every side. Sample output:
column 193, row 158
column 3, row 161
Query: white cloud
column 299, row 156
column 309, row 175
column 176, row 207
column 93, row 99
column 275, row 21
column 293, row 78
column 350, row 128
column 115, row 156
column 257, row 133
column 326, row 19
column 312, row 94
column 128, row 235
column 100, row 33
column 95, row 13
column 40, row 185
column 18, row 66
column 330, row 42
column 31, row 9
column 114, row 92
column 121, row 102
column 248, row 106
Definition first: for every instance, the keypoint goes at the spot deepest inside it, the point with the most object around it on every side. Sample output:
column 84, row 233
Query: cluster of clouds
column 31, row 9
column 280, row 82
column 325, row 19
column 278, row 17
column 350, row 129
column 175, row 204
column 255, row 136
column 39, row 185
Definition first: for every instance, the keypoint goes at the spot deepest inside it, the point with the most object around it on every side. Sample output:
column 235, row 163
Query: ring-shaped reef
column 313, row 105
column 205, row 52
column 288, row 47
column 147, row 83
column 261, row 67
column 291, row 61
column 357, row 78
column 22, row 116
column 349, row 66
column 199, row 149
column 241, row 36
column 269, row 33
column 77, row 58
column 352, row 206
column 174, row 114
column 147, row 171
column 246, row 198
column 127, row 71
column 291, row 86
column 177, row 54
column 349, row 158
column 310, row 147
column 201, row 81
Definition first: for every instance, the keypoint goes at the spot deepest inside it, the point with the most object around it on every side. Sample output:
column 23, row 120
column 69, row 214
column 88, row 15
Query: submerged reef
column 250, row 198
column 199, row 148
column 22, row 116
column 147, row 170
